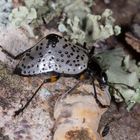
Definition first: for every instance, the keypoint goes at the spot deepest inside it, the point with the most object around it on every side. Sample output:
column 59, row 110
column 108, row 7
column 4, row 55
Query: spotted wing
column 53, row 53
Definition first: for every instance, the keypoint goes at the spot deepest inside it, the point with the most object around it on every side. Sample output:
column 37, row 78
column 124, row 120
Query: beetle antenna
column 117, row 90
column 130, row 87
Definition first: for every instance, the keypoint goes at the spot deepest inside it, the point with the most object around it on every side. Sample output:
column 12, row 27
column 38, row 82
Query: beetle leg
column 96, row 98
column 78, row 77
column 51, row 79
column 70, row 90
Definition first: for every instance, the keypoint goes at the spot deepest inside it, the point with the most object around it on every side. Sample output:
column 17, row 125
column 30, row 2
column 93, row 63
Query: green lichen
column 21, row 16
column 5, row 10
column 76, row 8
column 73, row 27
column 34, row 3
column 40, row 6
column 122, row 69
column 88, row 27
column 30, row 15
column 101, row 27
column 27, row 16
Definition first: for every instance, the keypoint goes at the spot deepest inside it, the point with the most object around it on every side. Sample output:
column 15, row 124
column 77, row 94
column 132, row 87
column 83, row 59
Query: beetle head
column 97, row 72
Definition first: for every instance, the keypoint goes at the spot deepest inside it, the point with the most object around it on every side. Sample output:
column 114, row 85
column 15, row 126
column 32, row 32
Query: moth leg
column 11, row 55
column 96, row 98
column 51, row 79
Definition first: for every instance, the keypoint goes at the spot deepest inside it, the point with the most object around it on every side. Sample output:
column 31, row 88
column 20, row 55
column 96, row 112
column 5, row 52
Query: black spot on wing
column 65, row 46
column 73, row 48
column 59, row 51
column 82, row 58
column 49, row 52
column 24, row 72
column 66, row 52
column 62, row 55
column 68, row 61
column 37, row 48
column 23, row 66
column 62, row 60
column 39, row 53
column 71, row 54
column 77, row 57
column 57, row 59
column 31, row 57
column 47, row 45
column 39, row 60
column 68, row 56
column 76, row 65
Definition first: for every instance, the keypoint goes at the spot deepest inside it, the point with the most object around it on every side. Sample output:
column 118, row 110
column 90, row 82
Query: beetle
column 56, row 54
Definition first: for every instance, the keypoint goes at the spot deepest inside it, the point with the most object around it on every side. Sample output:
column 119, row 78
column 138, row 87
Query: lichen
column 5, row 9
column 123, row 70
column 101, row 27
column 34, row 3
column 88, row 27
column 21, row 16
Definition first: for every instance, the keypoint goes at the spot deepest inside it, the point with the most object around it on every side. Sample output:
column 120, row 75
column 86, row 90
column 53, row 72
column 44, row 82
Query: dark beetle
column 58, row 55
